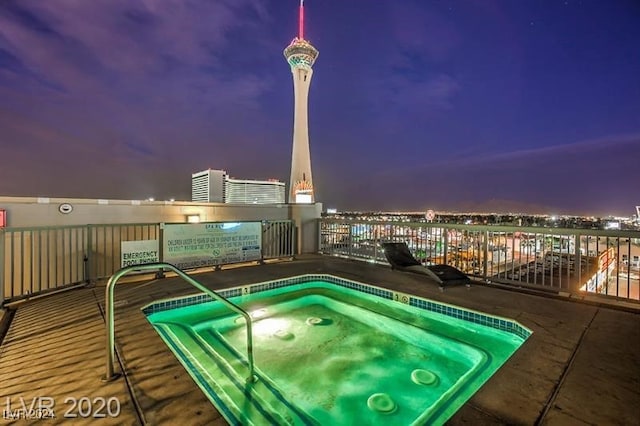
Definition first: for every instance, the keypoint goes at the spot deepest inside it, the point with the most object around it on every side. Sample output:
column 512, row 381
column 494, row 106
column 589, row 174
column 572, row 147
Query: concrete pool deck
column 580, row 366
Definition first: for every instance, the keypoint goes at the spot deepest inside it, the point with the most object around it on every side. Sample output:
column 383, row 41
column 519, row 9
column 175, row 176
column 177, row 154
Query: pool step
column 222, row 375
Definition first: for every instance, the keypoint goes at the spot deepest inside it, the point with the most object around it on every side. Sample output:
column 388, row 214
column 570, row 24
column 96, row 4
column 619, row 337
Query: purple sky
column 530, row 105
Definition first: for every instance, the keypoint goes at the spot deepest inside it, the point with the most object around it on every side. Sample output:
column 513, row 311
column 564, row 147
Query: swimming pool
column 334, row 351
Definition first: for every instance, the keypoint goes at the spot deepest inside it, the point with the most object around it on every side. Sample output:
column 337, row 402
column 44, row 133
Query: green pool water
column 330, row 355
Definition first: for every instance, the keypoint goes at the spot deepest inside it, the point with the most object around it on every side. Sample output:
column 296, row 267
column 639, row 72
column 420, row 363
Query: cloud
column 123, row 35
column 412, row 81
column 406, row 106
column 133, row 79
column 98, row 46
column 434, row 93
column 40, row 160
column 591, row 148
column 404, row 100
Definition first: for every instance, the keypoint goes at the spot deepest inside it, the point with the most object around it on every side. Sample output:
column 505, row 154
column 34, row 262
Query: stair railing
column 109, row 296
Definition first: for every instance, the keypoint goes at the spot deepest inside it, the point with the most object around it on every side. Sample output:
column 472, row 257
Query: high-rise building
column 215, row 186
column 208, row 186
column 244, row 191
column 301, row 55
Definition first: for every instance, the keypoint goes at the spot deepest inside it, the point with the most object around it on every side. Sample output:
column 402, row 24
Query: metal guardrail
column 576, row 261
column 37, row 260
column 104, row 243
column 109, row 296
column 278, row 239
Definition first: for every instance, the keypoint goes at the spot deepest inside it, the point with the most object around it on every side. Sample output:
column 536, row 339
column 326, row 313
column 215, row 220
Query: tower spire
column 301, row 21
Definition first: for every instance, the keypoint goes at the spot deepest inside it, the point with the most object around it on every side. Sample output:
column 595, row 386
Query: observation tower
column 301, row 55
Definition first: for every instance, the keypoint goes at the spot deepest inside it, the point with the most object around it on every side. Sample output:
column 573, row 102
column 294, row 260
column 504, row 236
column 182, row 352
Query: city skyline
column 500, row 106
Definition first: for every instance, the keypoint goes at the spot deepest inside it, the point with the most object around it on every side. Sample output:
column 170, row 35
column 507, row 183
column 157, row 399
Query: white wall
column 37, row 212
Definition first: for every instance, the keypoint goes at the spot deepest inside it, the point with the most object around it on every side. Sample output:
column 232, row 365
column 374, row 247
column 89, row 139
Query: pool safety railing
column 569, row 261
column 109, row 308
column 35, row 261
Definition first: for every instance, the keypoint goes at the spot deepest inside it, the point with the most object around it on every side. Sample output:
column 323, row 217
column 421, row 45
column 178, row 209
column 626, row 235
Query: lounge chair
column 400, row 257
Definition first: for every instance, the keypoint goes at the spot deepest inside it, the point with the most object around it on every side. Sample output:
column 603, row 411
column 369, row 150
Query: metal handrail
column 494, row 253
column 109, row 294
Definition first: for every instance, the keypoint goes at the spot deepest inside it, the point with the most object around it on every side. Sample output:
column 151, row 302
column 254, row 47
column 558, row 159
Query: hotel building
column 215, row 186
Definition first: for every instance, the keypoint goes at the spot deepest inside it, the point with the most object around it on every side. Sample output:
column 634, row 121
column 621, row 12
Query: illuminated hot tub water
column 332, row 351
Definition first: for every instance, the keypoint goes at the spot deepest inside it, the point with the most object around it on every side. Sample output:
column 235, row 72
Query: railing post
column 87, row 256
column 22, row 256
column 485, row 260
column 108, row 307
column 376, row 237
column 160, row 272
column 577, row 263
column 445, row 242
column 263, row 229
column 91, row 254
column 2, row 265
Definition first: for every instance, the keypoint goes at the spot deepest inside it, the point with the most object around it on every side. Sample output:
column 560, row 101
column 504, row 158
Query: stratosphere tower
column 301, row 55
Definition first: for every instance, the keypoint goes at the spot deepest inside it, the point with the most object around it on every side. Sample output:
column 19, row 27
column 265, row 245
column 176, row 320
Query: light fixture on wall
column 193, row 218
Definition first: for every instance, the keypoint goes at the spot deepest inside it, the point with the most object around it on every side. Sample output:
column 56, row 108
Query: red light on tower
column 301, row 21
column 3, row 218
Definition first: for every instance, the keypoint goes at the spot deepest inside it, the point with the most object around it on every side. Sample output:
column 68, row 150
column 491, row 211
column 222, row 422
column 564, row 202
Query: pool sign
column 138, row 252
column 195, row 245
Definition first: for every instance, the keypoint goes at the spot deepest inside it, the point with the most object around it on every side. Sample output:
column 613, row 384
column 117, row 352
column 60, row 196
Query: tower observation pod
column 301, row 55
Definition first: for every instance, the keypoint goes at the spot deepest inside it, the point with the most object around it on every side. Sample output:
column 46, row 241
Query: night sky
column 475, row 105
